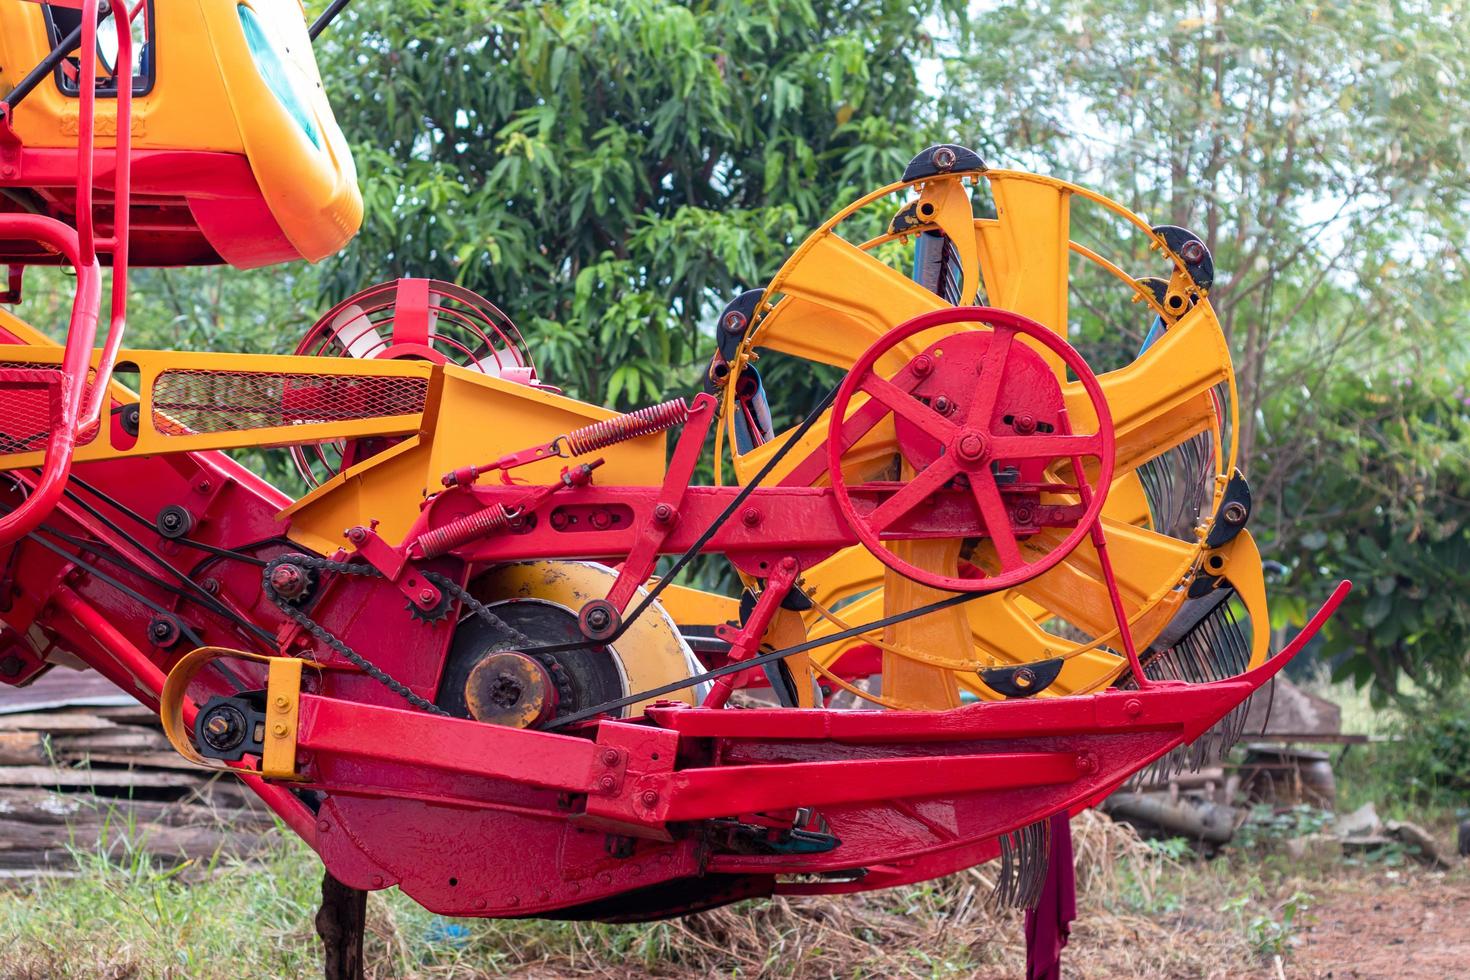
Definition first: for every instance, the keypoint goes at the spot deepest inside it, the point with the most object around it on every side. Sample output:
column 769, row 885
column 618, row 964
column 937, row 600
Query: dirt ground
column 1407, row 924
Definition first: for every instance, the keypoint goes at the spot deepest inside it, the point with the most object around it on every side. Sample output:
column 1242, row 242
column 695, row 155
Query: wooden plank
column 140, row 760
column 113, row 740
column 22, row 748
column 54, row 721
column 51, row 776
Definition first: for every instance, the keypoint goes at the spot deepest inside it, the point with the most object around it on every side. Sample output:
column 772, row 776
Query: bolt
column 218, row 725
column 751, row 517
column 323, row 825
column 1024, row 515
column 1193, row 253
column 607, row 784
column 11, row 666
column 205, row 486
column 650, row 798
column 1086, row 762
column 1024, row 423
column 1133, row 707
column 601, row 519
column 734, row 322
column 943, row 405
column 598, row 619
column 1235, row 512
column 288, row 580
column 922, row 365
column 943, row 158
column 427, row 597
column 663, row 514
column 788, row 564
column 279, row 730
column 211, row 585
column 377, row 881
column 283, row 702
column 357, row 535
column 610, row 757
column 560, row 520
column 972, row 446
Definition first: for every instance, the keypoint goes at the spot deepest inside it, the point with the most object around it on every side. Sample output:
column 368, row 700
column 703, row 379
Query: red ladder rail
column 71, row 407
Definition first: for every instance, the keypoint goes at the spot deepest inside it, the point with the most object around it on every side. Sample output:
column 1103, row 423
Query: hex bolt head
column 610, row 757
column 942, row 405
column 1235, row 512
column 1192, row 253
column 922, row 365
column 663, row 513
column 607, row 784
column 750, row 517
column 1024, row 423
column 1133, row 707
column 426, row 596
column 944, row 158
column 649, row 798
column 734, row 322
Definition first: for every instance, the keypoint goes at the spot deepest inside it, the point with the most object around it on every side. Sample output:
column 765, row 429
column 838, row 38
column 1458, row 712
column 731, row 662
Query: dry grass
column 1142, row 914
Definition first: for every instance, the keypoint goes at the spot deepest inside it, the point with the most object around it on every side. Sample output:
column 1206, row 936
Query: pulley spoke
column 902, row 403
column 992, row 371
column 1046, row 447
column 915, row 492
column 997, row 519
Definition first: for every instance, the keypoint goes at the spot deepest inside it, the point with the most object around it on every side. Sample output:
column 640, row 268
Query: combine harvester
column 1035, row 577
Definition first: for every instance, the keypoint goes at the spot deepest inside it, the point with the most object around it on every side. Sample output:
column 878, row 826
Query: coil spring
column 442, row 540
column 643, row 422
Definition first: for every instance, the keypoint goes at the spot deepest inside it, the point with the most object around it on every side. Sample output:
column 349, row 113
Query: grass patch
column 1144, row 912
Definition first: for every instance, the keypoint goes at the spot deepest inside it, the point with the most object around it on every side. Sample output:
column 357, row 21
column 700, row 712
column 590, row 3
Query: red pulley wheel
column 972, row 440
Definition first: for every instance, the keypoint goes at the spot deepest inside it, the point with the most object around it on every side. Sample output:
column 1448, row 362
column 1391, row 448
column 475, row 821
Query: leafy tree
column 610, row 173
column 1318, row 150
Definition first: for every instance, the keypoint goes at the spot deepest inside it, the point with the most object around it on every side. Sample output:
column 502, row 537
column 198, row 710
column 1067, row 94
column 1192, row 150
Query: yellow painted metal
column 650, row 654
column 283, row 706
column 473, row 417
column 159, row 432
column 828, row 305
column 210, row 95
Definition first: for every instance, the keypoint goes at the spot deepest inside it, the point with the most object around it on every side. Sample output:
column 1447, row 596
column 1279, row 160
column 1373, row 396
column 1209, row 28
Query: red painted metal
column 971, row 448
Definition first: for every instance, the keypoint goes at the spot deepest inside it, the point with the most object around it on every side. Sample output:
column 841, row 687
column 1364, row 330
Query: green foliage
column 612, row 172
column 1266, row 825
column 1380, row 494
column 1271, row 933
column 1318, row 149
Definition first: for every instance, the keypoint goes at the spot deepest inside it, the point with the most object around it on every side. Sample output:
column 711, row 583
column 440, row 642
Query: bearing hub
column 509, row 688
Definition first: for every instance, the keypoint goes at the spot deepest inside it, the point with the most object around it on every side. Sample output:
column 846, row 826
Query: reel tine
column 1024, row 857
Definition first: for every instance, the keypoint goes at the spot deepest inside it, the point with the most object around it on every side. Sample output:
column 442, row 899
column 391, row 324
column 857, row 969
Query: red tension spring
column 579, row 442
column 642, row 422
column 442, row 540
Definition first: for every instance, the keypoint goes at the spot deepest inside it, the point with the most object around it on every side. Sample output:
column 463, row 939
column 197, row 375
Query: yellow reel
column 834, row 298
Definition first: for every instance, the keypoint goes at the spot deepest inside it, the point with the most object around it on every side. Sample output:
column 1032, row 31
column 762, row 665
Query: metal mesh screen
column 29, row 399
column 199, row 401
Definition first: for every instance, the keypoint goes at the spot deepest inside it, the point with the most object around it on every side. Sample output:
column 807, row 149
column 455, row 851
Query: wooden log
column 22, row 748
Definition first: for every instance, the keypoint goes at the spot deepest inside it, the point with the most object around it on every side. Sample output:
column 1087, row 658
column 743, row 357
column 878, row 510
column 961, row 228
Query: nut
column 1235, row 512
column 1193, row 253
column 922, row 365
column 750, row 517
column 944, row 158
